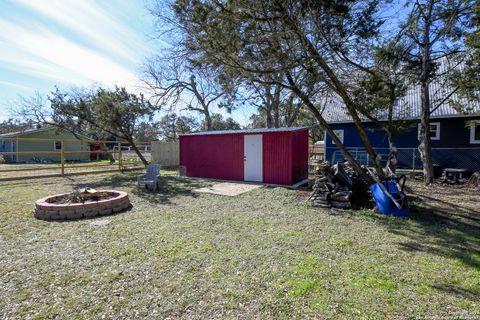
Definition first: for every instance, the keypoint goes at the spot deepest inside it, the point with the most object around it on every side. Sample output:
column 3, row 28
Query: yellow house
column 25, row 141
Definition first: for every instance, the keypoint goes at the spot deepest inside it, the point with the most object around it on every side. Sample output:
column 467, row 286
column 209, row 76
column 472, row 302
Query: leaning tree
column 114, row 112
column 257, row 38
column 379, row 94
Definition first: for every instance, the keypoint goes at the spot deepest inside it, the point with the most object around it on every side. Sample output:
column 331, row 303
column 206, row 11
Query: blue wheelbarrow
column 390, row 198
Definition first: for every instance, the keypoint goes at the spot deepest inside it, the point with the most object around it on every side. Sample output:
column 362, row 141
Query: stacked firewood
column 341, row 197
column 323, row 186
column 329, row 190
column 361, row 193
column 85, row 194
column 474, row 181
column 339, row 186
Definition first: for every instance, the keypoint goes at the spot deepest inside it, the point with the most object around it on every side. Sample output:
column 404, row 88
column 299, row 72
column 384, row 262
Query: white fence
column 166, row 153
column 127, row 152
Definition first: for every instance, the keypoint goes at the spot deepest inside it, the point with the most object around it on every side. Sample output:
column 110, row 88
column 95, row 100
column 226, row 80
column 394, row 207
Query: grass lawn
column 263, row 254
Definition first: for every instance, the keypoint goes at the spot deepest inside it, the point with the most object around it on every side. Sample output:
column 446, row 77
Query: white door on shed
column 253, row 157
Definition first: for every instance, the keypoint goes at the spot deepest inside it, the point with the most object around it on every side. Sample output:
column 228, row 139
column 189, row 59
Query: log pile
column 339, row 186
column 84, row 195
column 474, row 181
column 323, row 186
column 361, row 193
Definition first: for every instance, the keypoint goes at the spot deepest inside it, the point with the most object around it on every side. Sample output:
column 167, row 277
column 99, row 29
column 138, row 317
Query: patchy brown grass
column 263, row 254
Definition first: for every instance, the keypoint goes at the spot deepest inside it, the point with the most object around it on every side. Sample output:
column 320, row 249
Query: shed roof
column 30, row 131
column 408, row 107
column 259, row 130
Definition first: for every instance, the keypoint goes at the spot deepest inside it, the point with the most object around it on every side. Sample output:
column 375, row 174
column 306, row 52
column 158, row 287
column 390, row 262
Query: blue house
column 455, row 136
column 8, row 146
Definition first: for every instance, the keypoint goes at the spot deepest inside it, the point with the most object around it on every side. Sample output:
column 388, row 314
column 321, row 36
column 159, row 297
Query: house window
column 475, row 132
column 339, row 134
column 58, row 145
column 434, row 131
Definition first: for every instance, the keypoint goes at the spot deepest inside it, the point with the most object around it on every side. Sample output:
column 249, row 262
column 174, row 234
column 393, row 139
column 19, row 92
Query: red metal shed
column 277, row 156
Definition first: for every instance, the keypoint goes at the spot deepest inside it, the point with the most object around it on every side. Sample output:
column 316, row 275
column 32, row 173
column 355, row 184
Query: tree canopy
column 104, row 112
column 314, row 44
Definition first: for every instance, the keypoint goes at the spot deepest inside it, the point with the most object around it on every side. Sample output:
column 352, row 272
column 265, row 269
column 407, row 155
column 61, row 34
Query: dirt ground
column 230, row 189
column 447, row 202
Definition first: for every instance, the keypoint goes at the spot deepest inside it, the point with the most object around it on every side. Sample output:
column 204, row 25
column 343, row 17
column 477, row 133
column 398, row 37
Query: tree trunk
column 268, row 114
column 268, row 106
column 329, row 130
column 276, row 115
column 276, row 106
column 201, row 99
column 392, row 160
column 293, row 114
column 208, row 121
column 425, row 146
column 356, row 166
column 341, row 91
column 137, row 151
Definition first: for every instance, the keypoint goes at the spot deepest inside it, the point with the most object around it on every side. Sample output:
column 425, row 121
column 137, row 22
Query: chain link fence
column 409, row 158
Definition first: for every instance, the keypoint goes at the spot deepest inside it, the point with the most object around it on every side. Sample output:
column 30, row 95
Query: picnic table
column 454, row 175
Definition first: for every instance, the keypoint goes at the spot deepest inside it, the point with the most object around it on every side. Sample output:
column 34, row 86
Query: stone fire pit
column 55, row 208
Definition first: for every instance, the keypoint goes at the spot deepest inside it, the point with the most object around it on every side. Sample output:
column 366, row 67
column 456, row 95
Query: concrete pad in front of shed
column 230, row 189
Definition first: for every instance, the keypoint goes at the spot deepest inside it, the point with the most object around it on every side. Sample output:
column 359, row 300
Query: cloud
column 15, row 85
column 68, row 42
column 87, row 19
column 37, row 50
column 74, row 42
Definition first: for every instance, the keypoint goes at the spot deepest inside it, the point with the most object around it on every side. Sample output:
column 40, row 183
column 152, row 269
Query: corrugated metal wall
column 220, row 156
column 212, row 156
column 277, row 158
column 299, row 155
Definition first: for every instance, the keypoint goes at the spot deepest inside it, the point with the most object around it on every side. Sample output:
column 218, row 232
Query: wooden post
column 413, row 159
column 16, row 150
column 119, row 156
column 62, row 156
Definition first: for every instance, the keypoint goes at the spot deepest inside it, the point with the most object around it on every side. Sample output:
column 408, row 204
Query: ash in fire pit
column 85, row 195
column 85, row 203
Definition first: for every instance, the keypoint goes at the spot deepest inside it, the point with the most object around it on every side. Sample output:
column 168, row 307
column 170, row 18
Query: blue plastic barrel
column 384, row 203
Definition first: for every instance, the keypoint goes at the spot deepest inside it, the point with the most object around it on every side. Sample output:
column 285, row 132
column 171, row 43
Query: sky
column 68, row 43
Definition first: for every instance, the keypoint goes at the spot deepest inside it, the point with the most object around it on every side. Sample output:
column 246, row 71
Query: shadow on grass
column 456, row 290
column 168, row 187
column 111, row 181
column 453, row 210
column 440, row 227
